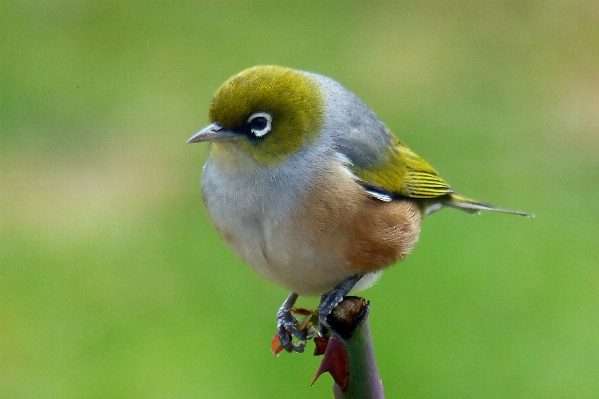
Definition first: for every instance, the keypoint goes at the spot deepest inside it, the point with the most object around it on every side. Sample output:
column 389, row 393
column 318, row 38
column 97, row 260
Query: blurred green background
column 115, row 285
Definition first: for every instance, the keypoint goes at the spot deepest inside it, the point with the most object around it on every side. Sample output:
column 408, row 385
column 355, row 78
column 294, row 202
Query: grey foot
column 287, row 327
column 331, row 299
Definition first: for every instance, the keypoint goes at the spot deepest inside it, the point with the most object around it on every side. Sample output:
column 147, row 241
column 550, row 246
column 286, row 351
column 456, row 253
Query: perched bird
column 311, row 190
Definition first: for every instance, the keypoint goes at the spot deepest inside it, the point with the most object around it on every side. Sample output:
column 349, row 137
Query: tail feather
column 472, row 206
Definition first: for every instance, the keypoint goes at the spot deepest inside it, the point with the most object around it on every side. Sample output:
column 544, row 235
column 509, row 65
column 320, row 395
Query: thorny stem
column 349, row 355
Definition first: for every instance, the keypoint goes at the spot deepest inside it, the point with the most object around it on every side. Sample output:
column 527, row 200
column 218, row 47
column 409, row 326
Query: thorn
column 335, row 362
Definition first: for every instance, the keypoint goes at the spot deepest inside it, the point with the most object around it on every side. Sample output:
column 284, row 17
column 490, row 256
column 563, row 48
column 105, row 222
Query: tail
column 471, row 206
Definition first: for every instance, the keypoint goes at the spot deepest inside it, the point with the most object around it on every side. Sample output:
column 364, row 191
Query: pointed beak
column 212, row 133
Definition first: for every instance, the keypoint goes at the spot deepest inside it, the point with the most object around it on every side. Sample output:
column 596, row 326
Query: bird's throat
column 228, row 158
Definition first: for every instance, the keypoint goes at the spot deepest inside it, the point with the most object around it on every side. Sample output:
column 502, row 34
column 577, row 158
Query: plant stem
column 349, row 355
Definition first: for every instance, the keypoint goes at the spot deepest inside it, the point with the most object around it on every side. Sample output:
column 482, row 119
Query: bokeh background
column 115, row 285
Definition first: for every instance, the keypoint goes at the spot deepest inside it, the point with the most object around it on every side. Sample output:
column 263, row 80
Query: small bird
column 311, row 190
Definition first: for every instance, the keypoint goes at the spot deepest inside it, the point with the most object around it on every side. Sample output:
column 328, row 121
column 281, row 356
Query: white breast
column 252, row 207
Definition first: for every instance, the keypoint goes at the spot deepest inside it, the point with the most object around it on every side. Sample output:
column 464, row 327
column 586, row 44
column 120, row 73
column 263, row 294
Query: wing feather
column 401, row 172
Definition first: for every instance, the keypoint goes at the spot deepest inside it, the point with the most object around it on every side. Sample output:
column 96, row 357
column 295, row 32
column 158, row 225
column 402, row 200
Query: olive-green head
column 267, row 112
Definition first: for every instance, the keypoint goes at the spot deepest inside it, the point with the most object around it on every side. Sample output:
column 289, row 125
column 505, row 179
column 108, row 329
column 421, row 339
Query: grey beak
column 211, row 133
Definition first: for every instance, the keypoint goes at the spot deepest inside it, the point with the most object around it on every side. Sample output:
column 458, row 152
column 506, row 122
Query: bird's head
column 266, row 113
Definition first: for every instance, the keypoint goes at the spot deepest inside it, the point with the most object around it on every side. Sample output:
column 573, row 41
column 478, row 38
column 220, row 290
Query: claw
column 331, row 299
column 289, row 328
column 286, row 331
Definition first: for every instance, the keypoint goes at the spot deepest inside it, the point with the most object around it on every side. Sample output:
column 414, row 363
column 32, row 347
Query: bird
column 312, row 190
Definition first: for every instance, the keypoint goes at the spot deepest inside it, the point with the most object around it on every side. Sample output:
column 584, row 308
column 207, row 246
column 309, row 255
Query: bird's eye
column 260, row 124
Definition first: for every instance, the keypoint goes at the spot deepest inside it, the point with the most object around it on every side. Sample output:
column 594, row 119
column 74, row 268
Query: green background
column 115, row 285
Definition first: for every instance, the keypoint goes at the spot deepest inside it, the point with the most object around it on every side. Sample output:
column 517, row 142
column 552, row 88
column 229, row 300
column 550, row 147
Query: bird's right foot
column 291, row 333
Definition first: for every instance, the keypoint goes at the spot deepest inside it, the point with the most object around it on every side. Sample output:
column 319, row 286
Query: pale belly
column 311, row 235
column 280, row 250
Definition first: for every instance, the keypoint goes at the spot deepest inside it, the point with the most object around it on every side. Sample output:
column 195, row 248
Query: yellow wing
column 403, row 173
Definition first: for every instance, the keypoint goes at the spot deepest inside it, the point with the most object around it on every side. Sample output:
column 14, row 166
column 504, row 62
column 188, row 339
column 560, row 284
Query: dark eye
column 260, row 124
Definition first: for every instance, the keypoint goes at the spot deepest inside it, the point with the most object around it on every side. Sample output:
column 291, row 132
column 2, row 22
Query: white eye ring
column 260, row 124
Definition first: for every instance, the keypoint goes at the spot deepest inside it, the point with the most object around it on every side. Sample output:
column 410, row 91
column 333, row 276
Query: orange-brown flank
column 369, row 233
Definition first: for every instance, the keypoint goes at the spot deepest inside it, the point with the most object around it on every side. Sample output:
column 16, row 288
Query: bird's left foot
column 330, row 300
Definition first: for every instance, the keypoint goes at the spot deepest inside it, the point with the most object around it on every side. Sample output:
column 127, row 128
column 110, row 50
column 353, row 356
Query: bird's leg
column 329, row 300
column 287, row 327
